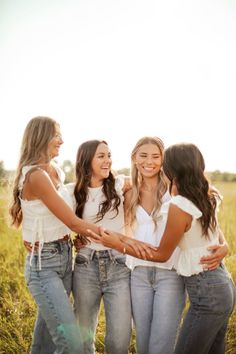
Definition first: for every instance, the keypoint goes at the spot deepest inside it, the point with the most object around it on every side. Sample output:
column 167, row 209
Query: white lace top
column 193, row 244
column 110, row 220
column 145, row 230
column 39, row 223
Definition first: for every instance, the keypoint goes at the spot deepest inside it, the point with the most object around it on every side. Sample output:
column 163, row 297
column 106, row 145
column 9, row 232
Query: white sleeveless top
column 110, row 220
column 39, row 223
column 145, row 230
column 193, row 244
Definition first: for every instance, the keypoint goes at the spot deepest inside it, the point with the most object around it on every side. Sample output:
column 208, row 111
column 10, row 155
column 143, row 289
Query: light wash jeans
column 50, row 288
column 97, row 275
column 158, row 299
column 212, row 298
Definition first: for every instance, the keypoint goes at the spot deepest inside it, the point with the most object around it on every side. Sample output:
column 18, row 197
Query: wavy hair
column 184, row 165
column 137, row 180
column 83, row 171
column 34, row 147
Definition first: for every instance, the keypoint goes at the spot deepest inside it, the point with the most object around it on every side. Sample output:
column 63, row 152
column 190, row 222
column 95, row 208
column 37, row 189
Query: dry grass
column 17, row 309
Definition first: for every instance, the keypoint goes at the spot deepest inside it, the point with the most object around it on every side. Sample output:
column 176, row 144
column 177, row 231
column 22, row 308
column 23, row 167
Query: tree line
column 68, row 167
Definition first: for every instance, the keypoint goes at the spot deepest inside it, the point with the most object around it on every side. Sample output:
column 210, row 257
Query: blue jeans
column 50, row 288
column 158, row 299
column 212, row 297
column 97, row 275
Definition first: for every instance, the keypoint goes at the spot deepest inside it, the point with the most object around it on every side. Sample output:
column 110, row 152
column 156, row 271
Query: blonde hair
column 137, row 179
column 34, row 147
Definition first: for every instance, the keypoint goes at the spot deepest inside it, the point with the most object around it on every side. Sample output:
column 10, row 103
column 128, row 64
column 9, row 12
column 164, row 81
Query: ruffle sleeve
column 184, row 204
column 24, row 172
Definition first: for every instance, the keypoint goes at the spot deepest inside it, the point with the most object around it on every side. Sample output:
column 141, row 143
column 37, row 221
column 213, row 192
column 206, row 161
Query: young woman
column 157, row 291
column 41, row 203
column 192, row 225
column 100, row 272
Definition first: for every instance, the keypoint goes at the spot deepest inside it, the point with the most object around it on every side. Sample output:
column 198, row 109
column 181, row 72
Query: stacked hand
column 218, row 253
column 118, row 241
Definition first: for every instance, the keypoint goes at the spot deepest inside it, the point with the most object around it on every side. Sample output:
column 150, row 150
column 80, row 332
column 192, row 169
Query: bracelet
column 124, row 250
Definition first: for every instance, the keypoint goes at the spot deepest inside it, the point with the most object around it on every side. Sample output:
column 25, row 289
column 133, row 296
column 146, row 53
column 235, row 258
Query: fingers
column 141, row 249
column 94, row 235
column 29, row 246
column 211, row 266
column 213, row 248
column 208, row 261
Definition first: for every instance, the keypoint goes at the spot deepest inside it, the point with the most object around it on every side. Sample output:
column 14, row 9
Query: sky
column 119, row 70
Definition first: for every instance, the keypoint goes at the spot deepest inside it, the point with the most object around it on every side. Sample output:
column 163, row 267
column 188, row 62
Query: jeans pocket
column 120, row 259
column 81, row 259
column 49, row 253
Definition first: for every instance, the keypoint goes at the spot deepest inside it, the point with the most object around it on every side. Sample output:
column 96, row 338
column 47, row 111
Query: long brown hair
column 34, row 147
column 83, row 170
column 137, row 180
column 184, row 165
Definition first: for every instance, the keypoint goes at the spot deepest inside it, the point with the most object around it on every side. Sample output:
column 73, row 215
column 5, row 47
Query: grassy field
column 17, row 309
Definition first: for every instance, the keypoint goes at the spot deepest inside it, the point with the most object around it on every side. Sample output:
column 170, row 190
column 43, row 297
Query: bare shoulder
column 178, row 216
column 36, row 173
column 38, row 177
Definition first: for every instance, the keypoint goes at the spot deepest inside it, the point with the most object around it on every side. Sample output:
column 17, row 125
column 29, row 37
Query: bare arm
column 177, row 223
column 42, row 188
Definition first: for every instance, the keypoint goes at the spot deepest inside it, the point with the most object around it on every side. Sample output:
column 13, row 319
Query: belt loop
column 110, row 255
column 59, row 246
column 92, row 254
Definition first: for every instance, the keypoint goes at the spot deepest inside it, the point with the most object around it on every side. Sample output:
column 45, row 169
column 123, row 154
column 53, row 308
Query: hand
column 107, row 238
column 118, row 241
column 96, row 237
column 140, row 248
column 218, row 253
column 80, row 242
column 29, row 246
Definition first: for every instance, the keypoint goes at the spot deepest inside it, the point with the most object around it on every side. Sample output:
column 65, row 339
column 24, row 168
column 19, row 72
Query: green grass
column 17, row 308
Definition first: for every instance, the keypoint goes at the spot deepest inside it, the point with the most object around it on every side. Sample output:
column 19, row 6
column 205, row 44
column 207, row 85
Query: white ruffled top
column 39, row 223
column 145, row 230
column 111, row 220
column 193, row 244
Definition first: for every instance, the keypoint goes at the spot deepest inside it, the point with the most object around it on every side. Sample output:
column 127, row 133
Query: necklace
column 93, row 193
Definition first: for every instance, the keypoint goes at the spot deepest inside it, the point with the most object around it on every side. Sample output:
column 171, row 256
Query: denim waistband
column 94, row 254
column 64, row 239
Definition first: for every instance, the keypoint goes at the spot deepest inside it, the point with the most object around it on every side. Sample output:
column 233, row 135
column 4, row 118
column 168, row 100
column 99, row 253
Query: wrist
column 121, row 248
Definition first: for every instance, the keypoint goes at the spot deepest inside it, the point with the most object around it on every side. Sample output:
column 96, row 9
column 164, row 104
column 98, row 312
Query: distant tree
column 2, row 170
column 217, row 176
column 124, row 171
column 69, row 170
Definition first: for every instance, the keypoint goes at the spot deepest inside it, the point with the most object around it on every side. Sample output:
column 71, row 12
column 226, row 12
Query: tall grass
column 17, row 308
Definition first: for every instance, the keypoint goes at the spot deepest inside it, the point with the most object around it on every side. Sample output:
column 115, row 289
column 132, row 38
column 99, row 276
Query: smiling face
column 55, row 143
column 148, row 160
column 101, row 164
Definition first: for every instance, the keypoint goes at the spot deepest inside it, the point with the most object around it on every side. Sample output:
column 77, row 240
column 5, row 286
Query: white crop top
column 145, row 230
column 193, row 244
column 39, row 223
column 110, row 221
